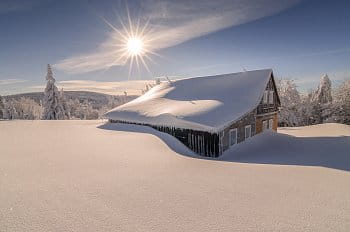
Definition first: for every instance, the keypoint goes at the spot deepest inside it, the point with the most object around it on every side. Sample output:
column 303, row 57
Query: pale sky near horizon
column 298, row 39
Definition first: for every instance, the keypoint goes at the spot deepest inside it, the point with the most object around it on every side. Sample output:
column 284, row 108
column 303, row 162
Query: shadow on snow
column 266, row 148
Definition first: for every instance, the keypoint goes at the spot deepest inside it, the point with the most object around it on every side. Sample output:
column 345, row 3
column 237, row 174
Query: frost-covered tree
column 53, row 108
column 23, row 108
column 28, row 109
column 341, row 104
column 321, row 101
column 83, row 110
column 323, row 94
column 64, row 103
column 10, row 111
column 289, row 114
column 73, row 106
column 306, row 109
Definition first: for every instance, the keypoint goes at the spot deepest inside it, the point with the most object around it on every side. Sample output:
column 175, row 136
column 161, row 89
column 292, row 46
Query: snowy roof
column 201, row 103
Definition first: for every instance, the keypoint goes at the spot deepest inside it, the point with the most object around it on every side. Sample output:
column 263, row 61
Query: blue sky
column 299, row 39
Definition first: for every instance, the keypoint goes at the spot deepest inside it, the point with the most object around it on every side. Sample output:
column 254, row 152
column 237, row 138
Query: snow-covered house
column 208, row 114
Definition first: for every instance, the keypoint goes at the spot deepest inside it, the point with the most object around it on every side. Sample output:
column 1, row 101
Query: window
column 270, row 123
column 271, row 97
column 265, row 97
column 265, row 125
column 248, row 131
column 233, row 136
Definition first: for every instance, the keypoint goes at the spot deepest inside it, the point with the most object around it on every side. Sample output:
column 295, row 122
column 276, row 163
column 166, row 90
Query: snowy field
column 81, row 176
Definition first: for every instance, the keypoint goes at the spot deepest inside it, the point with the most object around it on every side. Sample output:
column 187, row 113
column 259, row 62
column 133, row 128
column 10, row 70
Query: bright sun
column 134, row 46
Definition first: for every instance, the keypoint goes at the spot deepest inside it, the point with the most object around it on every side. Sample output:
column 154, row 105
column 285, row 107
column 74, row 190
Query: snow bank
column 72, row 176
column 306, row 149
column 320, row 130
column 201, row 103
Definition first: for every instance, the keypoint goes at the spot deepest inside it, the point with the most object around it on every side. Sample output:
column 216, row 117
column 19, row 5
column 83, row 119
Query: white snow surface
column 73, row 176
column 201, row 103
column 320, row 130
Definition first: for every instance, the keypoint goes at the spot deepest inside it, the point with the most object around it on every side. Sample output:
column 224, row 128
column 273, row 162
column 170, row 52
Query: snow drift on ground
column 326, row 145
column 73, row 176
column 321, row 130
column 185, row 103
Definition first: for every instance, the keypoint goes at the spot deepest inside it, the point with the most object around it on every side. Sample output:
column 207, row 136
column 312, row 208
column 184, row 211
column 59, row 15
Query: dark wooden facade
column 201, row 142
column 264, row 112
column 214, row 144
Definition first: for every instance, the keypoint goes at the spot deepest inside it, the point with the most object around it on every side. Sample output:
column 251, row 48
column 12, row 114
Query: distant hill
column 95, row 99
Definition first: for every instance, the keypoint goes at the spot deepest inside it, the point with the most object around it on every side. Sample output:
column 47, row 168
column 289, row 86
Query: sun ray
column 115, row 29
column 145, row 65
column 131, row 30
column 144, row 27
column 137, row 28
column 154, row 53
column 138, row 66
column 134, row 45
column 137, row 61
column 130, row 66
column 150, row 59
column 124, row 28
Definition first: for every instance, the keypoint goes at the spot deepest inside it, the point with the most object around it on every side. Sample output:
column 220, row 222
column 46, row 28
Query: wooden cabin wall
column 275, row 121
column 249, row 119
column 201, row 142
column 258, row 125
column 264, row 108
column 267, row 111
column 264, row 111
column 266, row 117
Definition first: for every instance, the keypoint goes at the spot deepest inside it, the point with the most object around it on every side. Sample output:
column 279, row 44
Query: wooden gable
column 267, row 107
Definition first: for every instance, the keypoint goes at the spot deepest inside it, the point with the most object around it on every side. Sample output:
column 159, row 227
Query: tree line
column 55, row 105
column 321, row 105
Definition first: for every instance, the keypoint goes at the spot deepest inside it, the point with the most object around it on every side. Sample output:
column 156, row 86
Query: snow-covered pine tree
column 65, row 106
column 322, row 101
column 53, row 108
column 323, row 94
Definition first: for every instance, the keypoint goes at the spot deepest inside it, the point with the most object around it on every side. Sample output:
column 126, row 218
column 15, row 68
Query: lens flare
column 133, row 43
column 134, row 46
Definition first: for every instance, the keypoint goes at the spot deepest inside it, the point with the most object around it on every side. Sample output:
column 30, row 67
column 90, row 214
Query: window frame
column 271, row 94
column 245, row 131
column 265, row 101
column 265, row 125
column 230, row 136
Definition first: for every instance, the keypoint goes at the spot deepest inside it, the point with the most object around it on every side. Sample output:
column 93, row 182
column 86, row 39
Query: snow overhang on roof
column 201, row 103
